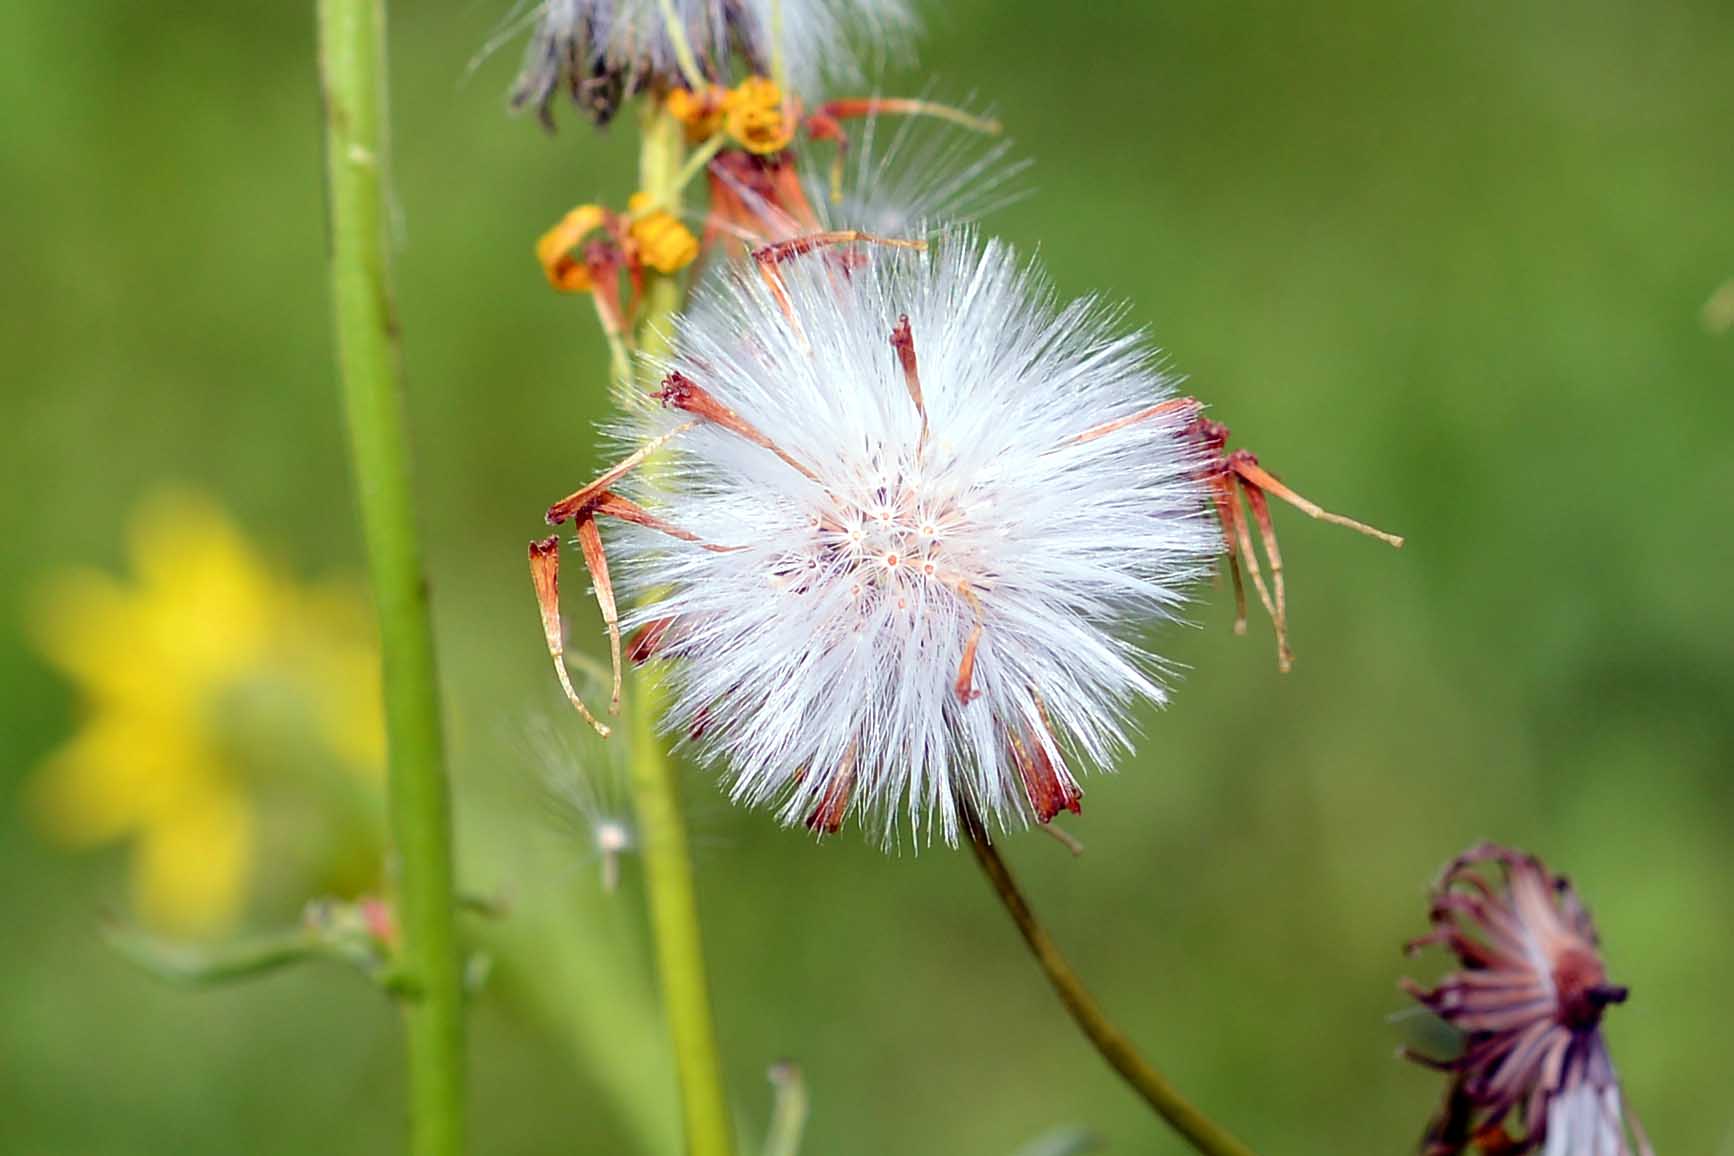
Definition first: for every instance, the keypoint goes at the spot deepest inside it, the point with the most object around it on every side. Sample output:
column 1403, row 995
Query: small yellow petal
column 74, row 619
column 190, row 874
column 120, row 773
column 207, row 599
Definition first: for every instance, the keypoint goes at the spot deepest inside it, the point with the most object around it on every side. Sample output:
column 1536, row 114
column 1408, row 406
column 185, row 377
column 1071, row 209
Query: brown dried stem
column 1198, row 1129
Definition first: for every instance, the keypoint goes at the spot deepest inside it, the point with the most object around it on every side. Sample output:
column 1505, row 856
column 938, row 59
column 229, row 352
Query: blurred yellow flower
column 208, row 682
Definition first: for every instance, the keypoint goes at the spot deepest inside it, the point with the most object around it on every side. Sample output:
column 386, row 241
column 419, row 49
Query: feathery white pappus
column 900, row 176
column 602, row 50
column 932, row 584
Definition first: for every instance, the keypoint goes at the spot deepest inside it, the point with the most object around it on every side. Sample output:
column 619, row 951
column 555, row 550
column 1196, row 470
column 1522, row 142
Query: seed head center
column 888, row 531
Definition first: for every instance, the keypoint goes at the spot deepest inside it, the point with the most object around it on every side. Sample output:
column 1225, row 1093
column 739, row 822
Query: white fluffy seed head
column 602, row 50
column 585, row 782
column 819, row 659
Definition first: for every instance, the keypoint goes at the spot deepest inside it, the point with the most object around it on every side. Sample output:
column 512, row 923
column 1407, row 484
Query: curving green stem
column 352, row 74
column 1204, row 1134
column 655, row 782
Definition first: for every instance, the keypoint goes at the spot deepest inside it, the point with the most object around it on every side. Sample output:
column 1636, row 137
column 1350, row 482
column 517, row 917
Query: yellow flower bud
column 754, row 115
column 700, row 112
column 663, row 242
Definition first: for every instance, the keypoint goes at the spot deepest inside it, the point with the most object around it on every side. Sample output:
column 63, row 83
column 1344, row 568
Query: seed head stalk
column 1199, row 1130
column 655, row 783
column 352, row 75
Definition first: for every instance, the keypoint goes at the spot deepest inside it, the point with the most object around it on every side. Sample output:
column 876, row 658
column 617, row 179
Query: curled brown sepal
column 768, row 257
column 545, row 576
column 903, row 343
column 1240, row 468
column 586, row 497
column 596, row 561
column 683, row 393
column 1227, row 476
column 1049, row 787
column 646, row 642
column 612, row 505
column 964, row 687
column 779, row 251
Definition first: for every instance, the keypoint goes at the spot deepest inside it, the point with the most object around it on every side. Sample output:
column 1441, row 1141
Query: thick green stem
column 1199, row 1130
column 352, row 72
column 655, row 780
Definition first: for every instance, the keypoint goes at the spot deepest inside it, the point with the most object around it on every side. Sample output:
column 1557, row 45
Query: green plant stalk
column 1204, row 1134
column 655, row 782
column 353, row 79
column 788, row 1111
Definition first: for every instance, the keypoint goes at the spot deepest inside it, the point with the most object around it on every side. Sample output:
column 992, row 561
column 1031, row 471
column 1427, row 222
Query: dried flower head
column 599, row 52
column 924, row 575
column 1529, row 1002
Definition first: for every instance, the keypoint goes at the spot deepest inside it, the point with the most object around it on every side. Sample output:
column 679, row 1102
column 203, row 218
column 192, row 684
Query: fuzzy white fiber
column 822, row 40
column 828, row 642
column 1588, row 1118
column 902, row 176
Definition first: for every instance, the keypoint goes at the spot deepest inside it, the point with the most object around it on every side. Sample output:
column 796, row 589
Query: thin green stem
column 779, row 62
column 189, row 965
column 655, row 780
column 788, row 1111
column 1198, row 1129
column 352, row 72
column 695, row 164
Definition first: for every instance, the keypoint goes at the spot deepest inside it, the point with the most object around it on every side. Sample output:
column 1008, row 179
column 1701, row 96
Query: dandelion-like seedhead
column 1529, row 1000
column 601, row 51
column 921, row 583
column 585, row 782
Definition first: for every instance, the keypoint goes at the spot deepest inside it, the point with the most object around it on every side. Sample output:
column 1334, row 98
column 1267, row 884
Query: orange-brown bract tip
column 596, row 561
column 545, row 577
column 677, row 389
column 1048, row 787
column 647, row 640
column 780, row 251
column 901, row 335
column 827, row 818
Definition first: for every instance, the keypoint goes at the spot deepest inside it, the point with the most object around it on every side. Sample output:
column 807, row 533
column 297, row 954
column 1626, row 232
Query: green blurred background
column 1441, row 264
